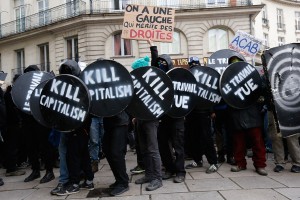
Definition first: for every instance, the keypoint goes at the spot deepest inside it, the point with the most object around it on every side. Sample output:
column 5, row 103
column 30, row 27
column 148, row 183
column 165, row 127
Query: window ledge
column 173, row 54
column 127, row 56
column 297, row 31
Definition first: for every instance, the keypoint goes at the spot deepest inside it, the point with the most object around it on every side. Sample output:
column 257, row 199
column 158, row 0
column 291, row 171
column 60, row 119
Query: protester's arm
column 154, row 53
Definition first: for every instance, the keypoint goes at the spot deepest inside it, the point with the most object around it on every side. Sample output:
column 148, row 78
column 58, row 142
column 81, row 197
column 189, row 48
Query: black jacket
column 247, row 118
column 155, row 57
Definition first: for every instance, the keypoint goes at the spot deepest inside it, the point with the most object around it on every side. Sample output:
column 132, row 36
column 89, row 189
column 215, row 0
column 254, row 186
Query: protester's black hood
column 168, row 59
column 69, row 67
column 31, row 68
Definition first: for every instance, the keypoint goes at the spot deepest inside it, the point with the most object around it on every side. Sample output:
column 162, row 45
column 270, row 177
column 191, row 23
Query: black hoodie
column 155, row 58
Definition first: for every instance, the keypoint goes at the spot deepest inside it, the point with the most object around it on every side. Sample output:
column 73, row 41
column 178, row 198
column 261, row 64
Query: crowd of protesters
column 162, row 143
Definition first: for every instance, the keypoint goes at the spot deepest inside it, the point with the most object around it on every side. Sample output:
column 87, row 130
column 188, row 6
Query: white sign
column 246, row 44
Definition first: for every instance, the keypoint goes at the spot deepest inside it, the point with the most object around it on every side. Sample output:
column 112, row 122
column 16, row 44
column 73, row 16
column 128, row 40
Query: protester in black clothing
column 170, row 130
column 115, row 147
column 198, row 127
column 37, row 141
column 147, row 136
column 78, row 157
column 12, row 135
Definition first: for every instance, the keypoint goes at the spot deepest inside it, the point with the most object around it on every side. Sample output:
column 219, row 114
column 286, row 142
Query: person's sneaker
column 167, row 175
column 69, row 189
column 295, row 169
column 212, row 168
column 142, row 180
column 194, row 165
column 179, row 179
column 278, row 168
column 261, row 171
column 237, row 168
column 154, row 184
column 15, row 173
column 117, row 190
column 137, row 170
column 95, row 166
column 86, row 186
column 57, row 189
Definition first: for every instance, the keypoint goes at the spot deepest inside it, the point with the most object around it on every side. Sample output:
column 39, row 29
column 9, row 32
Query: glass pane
column 117, row 45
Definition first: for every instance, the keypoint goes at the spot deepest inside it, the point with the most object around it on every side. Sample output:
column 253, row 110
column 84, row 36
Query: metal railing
column 280, row 26
column 265, row 21
column 43, row 18
column 76, row 8
column 100, row 6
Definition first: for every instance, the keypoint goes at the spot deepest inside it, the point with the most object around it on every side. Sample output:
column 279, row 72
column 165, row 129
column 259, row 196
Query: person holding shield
column 247, row 124
column 147, row 136
column 37, row 136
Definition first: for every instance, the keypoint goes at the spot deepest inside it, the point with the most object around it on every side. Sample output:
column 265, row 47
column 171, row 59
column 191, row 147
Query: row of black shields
column 105, row 88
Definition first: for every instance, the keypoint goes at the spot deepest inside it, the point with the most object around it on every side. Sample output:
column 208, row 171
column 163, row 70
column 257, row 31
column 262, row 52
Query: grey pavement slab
column 256, row 182
column 291, row 193
column 16, row 194
column 42, row 194
column 289, row 179
column 141, row 197
column 203, row 175
column 188, row 196
column 211, row 184
column 255, row 194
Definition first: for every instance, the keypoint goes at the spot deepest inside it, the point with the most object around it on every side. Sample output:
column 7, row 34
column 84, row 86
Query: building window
column 44, row 57
column 0, row 63
column 20, row 15
column 216, row 2
column 281, row 41
column 122, row 47
column 217, row 39
column 298, row 40
column 266, row 40
column 20, row 60
column 297, row 20
column 265, row 20
column 119, row 5
column 72, row 49
column 171, row 48
column 280, row 21
column 43, row 6
column 167, row 3
column 72, row 8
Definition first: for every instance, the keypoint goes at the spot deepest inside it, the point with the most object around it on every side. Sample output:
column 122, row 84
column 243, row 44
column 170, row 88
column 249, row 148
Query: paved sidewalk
column 244, row 185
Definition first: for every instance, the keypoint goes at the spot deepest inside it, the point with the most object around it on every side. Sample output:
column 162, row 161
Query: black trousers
column 11, row 137
column 115, row 147
column 38, row 145
column 78, row 157
column 200, row 138
column 171, row 136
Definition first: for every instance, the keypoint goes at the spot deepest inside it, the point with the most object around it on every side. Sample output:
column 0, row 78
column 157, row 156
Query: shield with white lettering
column 240, row 85
column 185, row 90
column 110, row 86
column 153, row 93
column 24, row 86
column 65, row 102
column 219, row 59
column 35, row 104
column 282, row 65
column 208, row 93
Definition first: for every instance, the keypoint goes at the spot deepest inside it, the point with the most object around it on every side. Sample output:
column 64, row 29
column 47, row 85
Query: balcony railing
column 76, row 8
column 43, row 18
column 265, row 22
column 100, row 6
column 280, row 26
